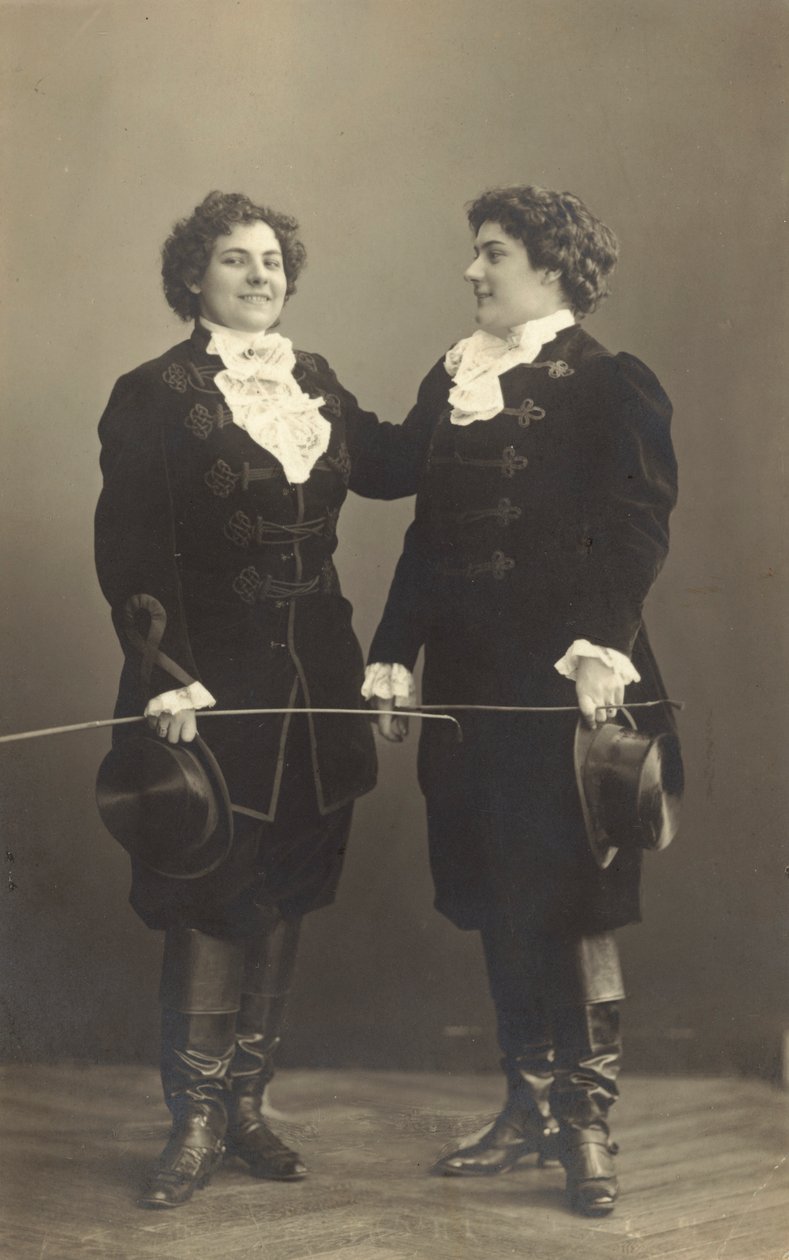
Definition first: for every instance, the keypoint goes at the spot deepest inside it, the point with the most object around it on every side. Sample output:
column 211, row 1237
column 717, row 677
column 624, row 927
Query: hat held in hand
column 630, row 785
column 167, row 804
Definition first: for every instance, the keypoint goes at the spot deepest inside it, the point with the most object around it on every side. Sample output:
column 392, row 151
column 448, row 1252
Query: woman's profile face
column 508, row 290
column 244, row 284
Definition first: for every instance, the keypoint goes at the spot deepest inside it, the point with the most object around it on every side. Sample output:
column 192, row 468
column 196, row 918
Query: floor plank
column 704, row 1172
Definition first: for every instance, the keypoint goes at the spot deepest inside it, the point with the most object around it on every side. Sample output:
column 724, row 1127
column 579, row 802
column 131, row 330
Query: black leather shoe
column 194, row 1149
column 524, row 1127
column 508, row 1140
column 250, row 1138
column 587, row 1155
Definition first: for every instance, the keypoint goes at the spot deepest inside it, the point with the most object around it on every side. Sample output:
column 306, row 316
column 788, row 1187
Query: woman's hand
column 598, row 687
column 174, row 727
column 391, row 725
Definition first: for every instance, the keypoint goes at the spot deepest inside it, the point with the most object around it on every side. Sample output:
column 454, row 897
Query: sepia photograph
column 393, row 640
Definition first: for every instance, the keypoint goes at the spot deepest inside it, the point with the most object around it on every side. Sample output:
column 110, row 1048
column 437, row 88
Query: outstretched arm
column 387, row 459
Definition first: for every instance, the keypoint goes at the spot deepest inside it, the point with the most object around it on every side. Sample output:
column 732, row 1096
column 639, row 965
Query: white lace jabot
column 477, row 362
column 265, row 400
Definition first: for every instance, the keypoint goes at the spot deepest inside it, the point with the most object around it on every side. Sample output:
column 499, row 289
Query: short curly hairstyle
column 187, row 251
column 559, row 233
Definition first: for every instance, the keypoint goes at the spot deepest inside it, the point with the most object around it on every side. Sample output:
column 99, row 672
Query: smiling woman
column 189, row 251
column 244, row 285
column 537, row 251
column 508, row 289
column 226, row 462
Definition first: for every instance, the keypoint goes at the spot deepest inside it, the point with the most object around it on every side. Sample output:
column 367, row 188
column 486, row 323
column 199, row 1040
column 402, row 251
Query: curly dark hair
column 187, row 250
column 559, row 233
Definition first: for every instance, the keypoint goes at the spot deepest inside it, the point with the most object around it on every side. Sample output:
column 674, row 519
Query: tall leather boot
column 268, row 972
column 200, row 994
column 588, row 1059
column 525, row 1125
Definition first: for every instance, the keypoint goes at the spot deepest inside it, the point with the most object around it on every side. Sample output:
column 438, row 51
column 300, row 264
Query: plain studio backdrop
column 374, row 121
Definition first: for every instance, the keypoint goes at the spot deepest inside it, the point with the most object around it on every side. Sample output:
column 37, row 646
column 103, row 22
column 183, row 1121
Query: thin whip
column 428, row 712
column 541, row 708
column 204, row 713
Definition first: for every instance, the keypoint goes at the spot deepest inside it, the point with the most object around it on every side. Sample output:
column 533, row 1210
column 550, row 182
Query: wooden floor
column 703, row 1167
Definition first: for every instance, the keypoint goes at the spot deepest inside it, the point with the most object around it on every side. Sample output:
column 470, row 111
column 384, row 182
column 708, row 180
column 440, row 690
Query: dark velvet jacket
column 545, row 524
column 219, row 570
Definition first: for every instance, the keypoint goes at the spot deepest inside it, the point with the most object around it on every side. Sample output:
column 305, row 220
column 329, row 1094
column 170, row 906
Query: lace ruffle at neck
column 264, row 399
column 477, row 362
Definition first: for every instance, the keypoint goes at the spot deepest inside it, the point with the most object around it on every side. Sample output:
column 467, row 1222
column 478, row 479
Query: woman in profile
column 541, row 524
column 226, row 462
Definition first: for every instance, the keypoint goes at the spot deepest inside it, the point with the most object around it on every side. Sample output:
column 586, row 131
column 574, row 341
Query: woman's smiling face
column 244, row 284
column 509, row 291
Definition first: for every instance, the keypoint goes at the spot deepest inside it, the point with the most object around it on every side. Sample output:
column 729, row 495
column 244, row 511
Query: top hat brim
column 184, row 844
column 603, row 851
column 630, row 785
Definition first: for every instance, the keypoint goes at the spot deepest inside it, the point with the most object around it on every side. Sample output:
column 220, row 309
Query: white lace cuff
column 195, row 696
column 615, row 660
column 390, row 682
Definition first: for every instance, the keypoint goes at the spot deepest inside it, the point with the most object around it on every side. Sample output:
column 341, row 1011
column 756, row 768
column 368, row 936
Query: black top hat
column 167, row 804
column 630, row 785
